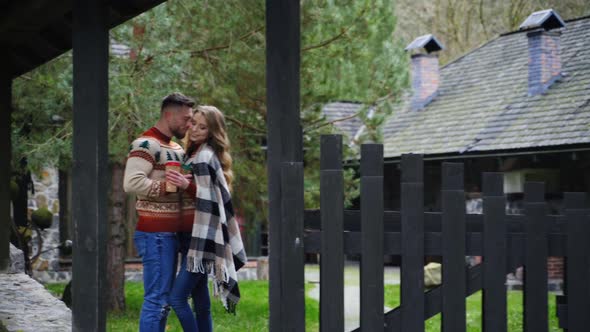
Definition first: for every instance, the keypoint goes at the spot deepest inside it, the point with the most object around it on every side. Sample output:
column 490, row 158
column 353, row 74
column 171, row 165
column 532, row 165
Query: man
column 159, row 211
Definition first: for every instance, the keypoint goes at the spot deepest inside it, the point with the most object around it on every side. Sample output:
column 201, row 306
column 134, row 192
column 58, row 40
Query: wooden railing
column 504, row 241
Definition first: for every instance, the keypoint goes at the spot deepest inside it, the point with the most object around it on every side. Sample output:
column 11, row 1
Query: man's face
column 179, row 120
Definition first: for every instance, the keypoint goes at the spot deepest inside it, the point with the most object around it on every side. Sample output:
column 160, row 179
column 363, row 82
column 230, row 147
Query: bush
column 42, row 218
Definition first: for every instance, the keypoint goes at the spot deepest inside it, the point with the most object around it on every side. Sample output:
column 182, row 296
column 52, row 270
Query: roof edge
column 565, row 148
column 535, row 28
column 502, row 35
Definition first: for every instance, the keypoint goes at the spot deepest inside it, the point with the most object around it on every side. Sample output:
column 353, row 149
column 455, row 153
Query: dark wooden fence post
column 535, row 263
column 284, row 130
column 577, row 264
column 5, row 167
column 412, row 226
column 293, row 260
column 90, row 164
column 494, row 250
column 372, row 318
column 332, row 251
column 453, row 248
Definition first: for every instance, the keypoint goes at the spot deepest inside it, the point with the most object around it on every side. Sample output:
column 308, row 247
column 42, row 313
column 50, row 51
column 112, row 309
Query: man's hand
column 178, row 179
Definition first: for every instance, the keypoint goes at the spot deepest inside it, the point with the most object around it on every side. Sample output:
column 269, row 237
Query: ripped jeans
column 158, row 252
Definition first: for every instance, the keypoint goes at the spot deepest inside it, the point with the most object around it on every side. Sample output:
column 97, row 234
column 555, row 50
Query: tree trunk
column 64, row 194
column 117, row 241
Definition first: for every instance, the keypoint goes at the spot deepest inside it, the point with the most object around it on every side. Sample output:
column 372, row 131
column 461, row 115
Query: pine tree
column 176, row 157
column 157, row 156
column 168, row 156
column 145, row 145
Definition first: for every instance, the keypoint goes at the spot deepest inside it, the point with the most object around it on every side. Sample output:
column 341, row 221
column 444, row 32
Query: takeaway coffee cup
column 172, row 166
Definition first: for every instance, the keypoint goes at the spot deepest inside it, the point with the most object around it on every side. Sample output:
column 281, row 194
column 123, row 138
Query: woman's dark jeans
column 195, row 285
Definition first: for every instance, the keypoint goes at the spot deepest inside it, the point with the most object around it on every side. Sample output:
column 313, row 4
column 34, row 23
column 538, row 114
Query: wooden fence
column 504, row 241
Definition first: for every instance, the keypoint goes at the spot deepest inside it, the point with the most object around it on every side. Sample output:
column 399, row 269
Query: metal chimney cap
column 547, row 19
column 428, row 42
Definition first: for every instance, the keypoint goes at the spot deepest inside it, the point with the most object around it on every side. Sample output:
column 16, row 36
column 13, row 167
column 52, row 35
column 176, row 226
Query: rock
column 17, row 260
column 262, row 268
column 27, row 306
column 41, row 200
column 47, row 176
column 55, row 207
column 41, row 265
column 432, row 274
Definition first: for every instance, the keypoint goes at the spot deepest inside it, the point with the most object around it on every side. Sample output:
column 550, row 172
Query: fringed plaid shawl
column 216, row 246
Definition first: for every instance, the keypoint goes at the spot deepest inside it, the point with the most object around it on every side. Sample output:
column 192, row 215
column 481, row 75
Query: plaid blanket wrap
column 216, row 246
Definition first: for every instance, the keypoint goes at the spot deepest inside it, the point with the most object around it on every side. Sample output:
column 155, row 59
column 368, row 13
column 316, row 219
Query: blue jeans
column 195, row 285
column 158, row 252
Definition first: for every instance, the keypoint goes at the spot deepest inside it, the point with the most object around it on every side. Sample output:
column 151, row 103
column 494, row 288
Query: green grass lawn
column 473, row 304
column 252, row 312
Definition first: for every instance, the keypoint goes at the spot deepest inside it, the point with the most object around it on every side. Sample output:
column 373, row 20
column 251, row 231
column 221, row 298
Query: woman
column 214, row 245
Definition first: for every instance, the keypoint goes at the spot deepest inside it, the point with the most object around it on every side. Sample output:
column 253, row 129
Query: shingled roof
column 342, row 110
column 483, row 104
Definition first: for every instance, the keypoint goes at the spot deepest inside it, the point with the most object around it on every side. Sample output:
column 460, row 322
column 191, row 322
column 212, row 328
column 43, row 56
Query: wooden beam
column 33, row 15
column 577, row 262
column 371, row 240
column 53, row 21
column 412, row 241
column 5, row 168
column 453, row 248
column 284, row 130
column 58, row 34
column 292, row 257
column 535, row 263
column 34, row 43
column 433, row 299
column 90, row 167
column 494, row 251
column 332, row 251
column 433, row 244
column 432, row 222
column 122, row 11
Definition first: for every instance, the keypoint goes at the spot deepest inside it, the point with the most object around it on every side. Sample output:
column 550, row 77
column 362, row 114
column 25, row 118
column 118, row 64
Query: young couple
column 196, row 221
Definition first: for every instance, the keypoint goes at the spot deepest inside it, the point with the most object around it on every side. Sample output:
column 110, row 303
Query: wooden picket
column 504, row 241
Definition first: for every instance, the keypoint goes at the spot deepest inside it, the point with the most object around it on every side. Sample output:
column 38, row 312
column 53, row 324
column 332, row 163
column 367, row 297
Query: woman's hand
column 178, row 179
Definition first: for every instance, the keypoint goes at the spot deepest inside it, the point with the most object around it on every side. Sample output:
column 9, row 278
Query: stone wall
column 46, row 267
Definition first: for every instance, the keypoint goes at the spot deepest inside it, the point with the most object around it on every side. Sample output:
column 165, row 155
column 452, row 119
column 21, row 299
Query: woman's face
column 199, row 131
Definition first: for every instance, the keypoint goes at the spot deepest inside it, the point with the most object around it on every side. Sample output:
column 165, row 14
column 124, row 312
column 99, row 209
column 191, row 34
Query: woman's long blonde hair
column 218, row 139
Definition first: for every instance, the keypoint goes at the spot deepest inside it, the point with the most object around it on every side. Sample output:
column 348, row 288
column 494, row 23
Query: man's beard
column 177, row 133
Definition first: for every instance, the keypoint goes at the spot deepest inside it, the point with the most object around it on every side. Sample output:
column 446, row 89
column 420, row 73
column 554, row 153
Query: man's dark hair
column 176, row 99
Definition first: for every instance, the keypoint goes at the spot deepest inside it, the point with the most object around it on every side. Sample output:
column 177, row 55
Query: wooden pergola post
column 90, row 168
column 284, row 140
column 5, row 169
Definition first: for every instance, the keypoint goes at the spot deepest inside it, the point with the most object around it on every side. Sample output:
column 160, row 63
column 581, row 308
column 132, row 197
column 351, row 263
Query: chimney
column 425, row 73
column 544, row 51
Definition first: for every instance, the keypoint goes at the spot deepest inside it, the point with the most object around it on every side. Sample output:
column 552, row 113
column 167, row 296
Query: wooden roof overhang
column 33, row 32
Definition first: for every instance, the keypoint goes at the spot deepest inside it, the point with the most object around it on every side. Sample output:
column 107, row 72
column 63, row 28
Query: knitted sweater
column 145, row 176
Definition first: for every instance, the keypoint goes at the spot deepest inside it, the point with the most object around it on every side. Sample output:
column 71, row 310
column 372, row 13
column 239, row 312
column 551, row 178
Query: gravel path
column 352, row 294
